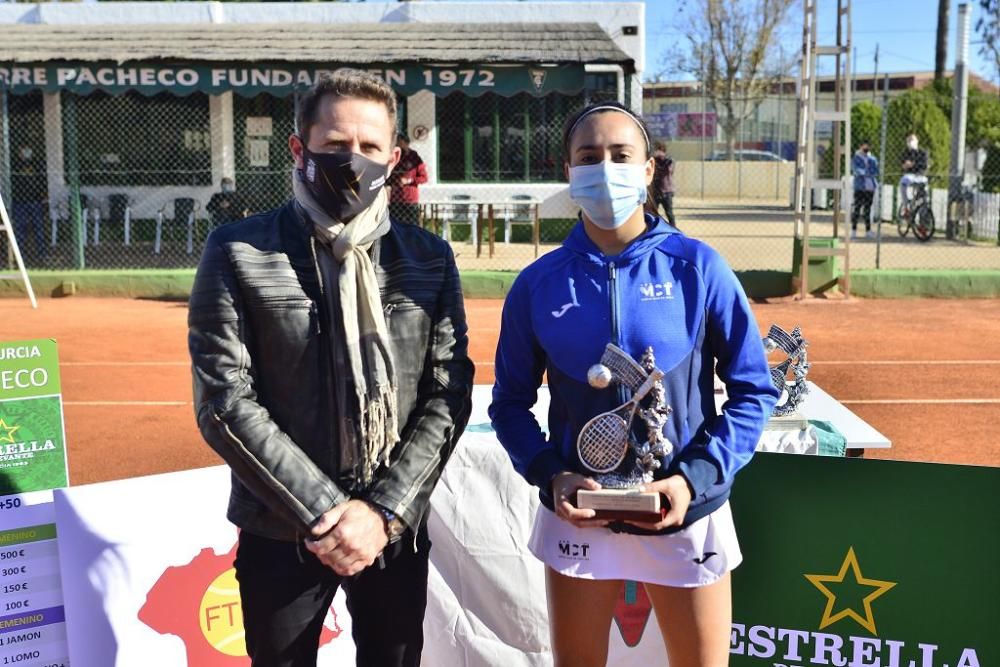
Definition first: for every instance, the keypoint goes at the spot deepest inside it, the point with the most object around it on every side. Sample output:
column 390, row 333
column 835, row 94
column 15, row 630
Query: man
column 331, row 372
column 663, row 182
column 227, row 205
column 405, row 181
column 865, row 168
column 914, row 164
column 29, row 188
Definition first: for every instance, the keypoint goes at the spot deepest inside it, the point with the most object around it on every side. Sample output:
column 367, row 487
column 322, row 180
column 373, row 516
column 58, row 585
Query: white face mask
column 608, row 192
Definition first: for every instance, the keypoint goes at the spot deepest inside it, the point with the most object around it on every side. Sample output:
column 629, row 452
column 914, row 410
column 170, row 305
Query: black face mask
column 343, row 184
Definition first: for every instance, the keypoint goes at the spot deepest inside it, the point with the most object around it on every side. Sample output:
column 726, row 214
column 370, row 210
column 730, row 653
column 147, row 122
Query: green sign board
column 280, row 80
column 32, row 435
column 863, row 563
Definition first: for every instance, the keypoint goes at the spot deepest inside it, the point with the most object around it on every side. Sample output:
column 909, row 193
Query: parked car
column 746, row 155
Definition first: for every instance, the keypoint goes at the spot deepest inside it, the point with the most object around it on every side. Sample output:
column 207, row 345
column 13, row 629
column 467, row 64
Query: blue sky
column 903, row 29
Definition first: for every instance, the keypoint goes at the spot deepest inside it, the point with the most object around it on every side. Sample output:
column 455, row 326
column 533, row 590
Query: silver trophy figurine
column 786, row 414
column 606, row 441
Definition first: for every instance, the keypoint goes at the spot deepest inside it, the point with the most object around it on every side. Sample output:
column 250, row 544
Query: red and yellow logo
column 200, row 603
column 221, row 617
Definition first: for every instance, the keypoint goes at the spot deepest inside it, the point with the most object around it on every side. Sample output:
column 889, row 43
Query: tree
column 941, row 47
column 866, row 125
column 917, row 112
column 988, row 27
column 732, row 48
column 982, row 127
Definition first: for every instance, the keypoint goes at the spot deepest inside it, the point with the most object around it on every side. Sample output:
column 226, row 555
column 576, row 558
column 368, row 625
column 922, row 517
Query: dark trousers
column 403, row 212
column 666, row 200
column 862, row 209
column 30, row 215
column 285, row 592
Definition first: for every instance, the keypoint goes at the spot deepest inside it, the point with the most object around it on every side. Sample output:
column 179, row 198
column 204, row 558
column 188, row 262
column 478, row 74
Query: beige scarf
column 366, row 336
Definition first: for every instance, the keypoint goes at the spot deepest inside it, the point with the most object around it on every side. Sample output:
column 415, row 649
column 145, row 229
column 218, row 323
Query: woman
column 629, row 278
column 663, row 182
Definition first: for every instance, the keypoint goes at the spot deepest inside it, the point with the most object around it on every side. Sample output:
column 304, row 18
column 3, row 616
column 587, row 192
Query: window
column 514, row 139
column 261, row 127
column 132, row 139
column 600, row 87
column 502, row 139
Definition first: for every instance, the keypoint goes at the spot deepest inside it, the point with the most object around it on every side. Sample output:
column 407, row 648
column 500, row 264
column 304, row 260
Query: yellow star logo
column 820, row 581
column 9, row 435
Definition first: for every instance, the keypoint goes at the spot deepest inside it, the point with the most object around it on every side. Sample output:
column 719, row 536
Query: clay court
column 922, row 372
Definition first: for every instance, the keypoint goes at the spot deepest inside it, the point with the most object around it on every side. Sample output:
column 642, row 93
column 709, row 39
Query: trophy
column 607, row 446
column 786, row 415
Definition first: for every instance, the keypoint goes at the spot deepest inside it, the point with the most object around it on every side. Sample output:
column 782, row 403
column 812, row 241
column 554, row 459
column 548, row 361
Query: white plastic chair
column 518, row 213
column 180, row 203
column 460, row 214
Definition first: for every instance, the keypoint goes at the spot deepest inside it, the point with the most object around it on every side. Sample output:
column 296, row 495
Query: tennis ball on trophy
column 220, row 615
column 769, row 345
column 599, row 376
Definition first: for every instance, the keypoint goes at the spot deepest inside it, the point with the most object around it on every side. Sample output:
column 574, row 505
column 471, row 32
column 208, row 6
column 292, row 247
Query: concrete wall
column 733, row 180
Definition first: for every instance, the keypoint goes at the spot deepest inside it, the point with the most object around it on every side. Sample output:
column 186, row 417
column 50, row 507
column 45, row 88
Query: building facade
column 147, row 106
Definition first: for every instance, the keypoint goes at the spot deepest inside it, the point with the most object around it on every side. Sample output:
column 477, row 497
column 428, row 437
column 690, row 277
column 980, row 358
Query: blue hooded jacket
column 664, row 290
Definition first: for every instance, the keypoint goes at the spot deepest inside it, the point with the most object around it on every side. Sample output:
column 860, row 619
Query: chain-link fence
column 129, row 181
column 107, row 182
column 734, row 179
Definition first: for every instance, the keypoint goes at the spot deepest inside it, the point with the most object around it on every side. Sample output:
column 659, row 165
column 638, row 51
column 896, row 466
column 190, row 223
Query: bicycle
column 919, row 217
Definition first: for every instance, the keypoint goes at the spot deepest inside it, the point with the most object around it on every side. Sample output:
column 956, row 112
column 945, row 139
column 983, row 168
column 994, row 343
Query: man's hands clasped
column 349, row 537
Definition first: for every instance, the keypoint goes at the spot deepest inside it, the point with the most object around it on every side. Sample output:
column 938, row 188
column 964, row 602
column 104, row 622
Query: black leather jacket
column 263, row 385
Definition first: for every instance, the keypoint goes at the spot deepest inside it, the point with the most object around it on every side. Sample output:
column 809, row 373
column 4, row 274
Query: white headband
column 608, row 107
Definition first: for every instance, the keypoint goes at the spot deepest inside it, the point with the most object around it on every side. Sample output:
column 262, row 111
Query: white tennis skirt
column 696, row 556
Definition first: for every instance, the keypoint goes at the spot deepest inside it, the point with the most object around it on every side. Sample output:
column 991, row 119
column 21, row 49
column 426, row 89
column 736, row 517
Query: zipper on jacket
column 615, row 333
column 613, row 296
column 233, row 438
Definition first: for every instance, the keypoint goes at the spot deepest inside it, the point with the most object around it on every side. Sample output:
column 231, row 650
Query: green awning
column 280, row 58
column 251, row 79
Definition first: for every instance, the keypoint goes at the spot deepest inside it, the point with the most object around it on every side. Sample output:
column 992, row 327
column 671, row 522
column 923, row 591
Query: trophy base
column 792, row 422
column 621, row 504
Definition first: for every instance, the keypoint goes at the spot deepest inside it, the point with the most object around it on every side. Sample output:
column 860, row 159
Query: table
column 822, row 406
column 431, row 210
column 818, row 405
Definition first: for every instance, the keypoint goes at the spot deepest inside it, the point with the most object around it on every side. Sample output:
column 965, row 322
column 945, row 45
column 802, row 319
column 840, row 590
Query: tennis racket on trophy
column 605, row 442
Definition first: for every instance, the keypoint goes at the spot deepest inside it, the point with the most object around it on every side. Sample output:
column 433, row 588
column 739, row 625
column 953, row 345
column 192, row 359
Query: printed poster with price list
column 32, row 463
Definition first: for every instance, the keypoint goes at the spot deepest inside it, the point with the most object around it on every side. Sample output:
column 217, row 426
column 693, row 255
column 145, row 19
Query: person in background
column 227, row 205
column 406, row 178
column 914, row 164
column 663, row 182
column 865, row 168
column 29, row 186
